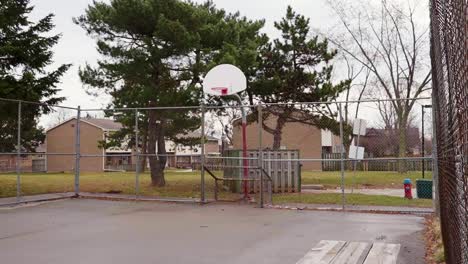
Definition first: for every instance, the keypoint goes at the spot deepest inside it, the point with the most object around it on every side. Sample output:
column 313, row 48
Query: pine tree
column 294, row 69
column 155, row 53
column 25, row 53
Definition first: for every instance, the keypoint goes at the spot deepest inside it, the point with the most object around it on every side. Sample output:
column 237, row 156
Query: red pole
column 245, row 161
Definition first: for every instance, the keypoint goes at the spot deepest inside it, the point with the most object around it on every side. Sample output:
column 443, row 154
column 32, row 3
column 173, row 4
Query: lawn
column 362, row 179
column 351, row 199
column 179, row 184
column 187, row 184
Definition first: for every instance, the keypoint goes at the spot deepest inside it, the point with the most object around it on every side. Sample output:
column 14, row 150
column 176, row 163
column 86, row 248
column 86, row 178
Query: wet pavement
column 97, row 231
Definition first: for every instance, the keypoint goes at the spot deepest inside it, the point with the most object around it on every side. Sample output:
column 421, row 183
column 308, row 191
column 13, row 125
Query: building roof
column 112, row 125
column 105, row 124
column 101, row 123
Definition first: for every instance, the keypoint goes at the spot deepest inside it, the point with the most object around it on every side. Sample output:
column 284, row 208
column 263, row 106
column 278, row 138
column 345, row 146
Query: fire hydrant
column 408, row 189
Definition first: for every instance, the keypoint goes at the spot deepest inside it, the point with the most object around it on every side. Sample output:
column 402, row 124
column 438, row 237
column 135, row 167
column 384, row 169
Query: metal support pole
column 137, row 157
column 244, row 149
column 202, row 158
column 18, row 157
column 260, row 153
column 422, row 141
column 342, row 157
column 77, row 152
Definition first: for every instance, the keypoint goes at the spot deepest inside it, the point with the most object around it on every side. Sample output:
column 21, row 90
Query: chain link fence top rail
column 449, row 52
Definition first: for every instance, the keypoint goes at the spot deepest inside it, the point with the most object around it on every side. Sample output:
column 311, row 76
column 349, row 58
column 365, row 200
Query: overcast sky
column 77, row 48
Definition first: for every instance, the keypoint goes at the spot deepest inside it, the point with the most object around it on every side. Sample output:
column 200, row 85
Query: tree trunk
column 160, row 180
column 402, row 145
column 277, row 135
column 157, row 163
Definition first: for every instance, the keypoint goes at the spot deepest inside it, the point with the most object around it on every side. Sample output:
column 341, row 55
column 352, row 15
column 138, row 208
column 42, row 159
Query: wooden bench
column 342, row 252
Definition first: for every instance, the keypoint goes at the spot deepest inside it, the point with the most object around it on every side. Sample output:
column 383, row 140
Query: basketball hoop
column 227, row 79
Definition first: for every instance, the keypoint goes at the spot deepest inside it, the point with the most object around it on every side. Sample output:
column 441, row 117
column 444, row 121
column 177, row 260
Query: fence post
column 435, row 167
column 137, row 157
column 202, row 158
column 260, row 153
column 18, row 157
column 77, row 152
column 342, row 157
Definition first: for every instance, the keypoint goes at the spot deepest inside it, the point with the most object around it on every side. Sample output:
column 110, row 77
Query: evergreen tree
column 294, row 69
column 155, row 53
column 25, row 52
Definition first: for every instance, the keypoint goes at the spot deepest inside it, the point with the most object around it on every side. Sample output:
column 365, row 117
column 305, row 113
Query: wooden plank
column 296, row 173
column 383, row 253
column 323, row 252
column 274, row 171
column 353, row 253
column 279, row 172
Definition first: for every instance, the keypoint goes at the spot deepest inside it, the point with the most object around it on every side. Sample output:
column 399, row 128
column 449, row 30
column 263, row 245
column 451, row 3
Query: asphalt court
column 98, row 231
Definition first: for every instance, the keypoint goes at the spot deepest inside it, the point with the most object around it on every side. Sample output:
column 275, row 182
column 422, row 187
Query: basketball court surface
column 96, row 231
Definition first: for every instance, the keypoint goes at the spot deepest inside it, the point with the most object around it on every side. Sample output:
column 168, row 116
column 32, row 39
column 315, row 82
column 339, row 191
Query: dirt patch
column 434, row 244
column 114, row 192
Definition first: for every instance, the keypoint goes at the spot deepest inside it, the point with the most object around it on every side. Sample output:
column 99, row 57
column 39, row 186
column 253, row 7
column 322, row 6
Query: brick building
column 61, row 139
column 309, row 140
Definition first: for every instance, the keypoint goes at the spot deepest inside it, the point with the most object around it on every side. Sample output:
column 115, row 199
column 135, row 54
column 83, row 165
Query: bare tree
column 359, row 79
column 387, row 40
column 226, row 121
column 220, row 123
column 60, row 115
column 387, row 115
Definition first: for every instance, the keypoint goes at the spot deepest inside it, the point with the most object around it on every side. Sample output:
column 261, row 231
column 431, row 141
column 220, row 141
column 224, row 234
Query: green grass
column 362, row 179
column 187, row 184
column 351, row 199
column 179, row 184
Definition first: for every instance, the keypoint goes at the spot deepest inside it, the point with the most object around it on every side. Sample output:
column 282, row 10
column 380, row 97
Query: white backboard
column 224, row 79
column 356, row 152
column 359, row 127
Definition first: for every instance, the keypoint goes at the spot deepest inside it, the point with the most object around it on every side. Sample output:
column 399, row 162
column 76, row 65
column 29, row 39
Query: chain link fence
column 449, row 51
column 107, row 152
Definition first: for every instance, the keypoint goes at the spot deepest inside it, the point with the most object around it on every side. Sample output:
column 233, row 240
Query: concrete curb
column 38, row 200
column 352, row 210
column 139, row 199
